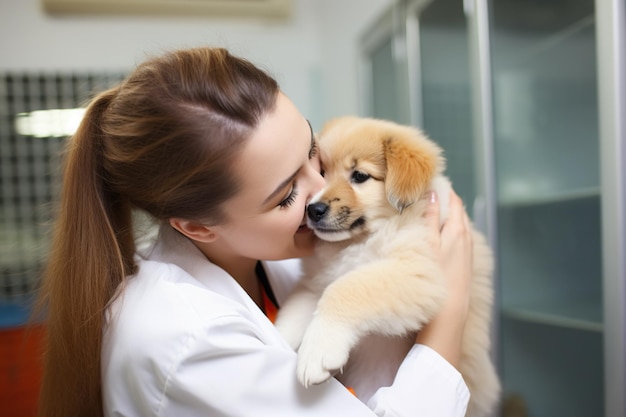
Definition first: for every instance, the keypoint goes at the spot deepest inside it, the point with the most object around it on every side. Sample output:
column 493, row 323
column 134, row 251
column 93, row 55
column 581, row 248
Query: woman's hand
column 452, row 244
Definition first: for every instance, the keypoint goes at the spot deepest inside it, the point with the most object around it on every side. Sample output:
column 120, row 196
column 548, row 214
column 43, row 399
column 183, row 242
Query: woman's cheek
column 299, row 212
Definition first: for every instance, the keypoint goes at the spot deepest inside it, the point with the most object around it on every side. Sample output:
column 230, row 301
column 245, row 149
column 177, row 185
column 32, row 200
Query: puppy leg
column 295, row 315
column 388, row 297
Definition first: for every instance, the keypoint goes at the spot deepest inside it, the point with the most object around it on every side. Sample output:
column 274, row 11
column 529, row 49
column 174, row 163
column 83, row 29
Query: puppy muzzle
column 332, row 227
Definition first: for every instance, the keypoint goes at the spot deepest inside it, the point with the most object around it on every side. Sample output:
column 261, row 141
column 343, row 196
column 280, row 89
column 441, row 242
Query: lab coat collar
column 172, row 247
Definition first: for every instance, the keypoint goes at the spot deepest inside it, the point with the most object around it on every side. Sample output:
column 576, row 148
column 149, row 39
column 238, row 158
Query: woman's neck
column 241, row 269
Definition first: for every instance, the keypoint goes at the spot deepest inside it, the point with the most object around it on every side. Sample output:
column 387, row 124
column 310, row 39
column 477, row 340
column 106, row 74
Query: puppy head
column 373, row 170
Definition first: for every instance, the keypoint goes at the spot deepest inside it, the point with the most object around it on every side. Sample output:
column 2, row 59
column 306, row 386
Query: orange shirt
column 269, row 308
column 269, row 305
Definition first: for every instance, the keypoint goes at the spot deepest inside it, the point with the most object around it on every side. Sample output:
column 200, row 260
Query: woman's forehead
column 275, row 150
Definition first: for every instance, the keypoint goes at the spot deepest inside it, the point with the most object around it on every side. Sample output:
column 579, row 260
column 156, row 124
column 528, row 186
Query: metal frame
column 391, row 26
column 382, row 30
column 480, row 53
column 414, row 59
column 611, row 51
column 485, row 203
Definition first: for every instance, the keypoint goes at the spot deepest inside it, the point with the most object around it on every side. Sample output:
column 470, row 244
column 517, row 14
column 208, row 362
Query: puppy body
column 374, row 280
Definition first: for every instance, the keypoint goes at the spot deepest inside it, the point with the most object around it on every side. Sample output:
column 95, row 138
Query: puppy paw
column 324, row 351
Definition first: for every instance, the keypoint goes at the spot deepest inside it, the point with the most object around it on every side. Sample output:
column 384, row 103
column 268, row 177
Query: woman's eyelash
column 313, row 150
column 291, row 198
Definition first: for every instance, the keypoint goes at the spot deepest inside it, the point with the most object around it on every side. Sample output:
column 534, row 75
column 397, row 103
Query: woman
column 207, row 145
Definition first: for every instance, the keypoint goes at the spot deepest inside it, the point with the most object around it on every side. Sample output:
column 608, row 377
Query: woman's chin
column 305, row 241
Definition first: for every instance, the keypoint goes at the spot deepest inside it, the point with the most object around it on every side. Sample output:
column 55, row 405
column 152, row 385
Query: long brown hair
column 162, row 142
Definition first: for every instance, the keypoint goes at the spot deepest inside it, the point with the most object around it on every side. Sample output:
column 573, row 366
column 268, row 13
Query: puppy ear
column 412, row 162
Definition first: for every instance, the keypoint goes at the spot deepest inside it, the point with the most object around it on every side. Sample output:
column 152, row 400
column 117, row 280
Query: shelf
column 580, row 315
column 528, row 199
column 557, row 370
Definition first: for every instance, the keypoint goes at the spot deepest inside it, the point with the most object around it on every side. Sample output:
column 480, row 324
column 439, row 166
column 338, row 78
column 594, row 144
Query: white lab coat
column 183, row 339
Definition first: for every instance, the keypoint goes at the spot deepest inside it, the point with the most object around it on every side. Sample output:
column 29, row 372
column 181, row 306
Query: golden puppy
column 373, row 281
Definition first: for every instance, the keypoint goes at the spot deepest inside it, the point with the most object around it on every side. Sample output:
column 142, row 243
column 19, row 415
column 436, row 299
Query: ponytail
column 163, row 142
column 91, row 253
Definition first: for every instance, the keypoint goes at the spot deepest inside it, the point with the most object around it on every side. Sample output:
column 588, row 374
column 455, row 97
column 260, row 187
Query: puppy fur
column 373, row 280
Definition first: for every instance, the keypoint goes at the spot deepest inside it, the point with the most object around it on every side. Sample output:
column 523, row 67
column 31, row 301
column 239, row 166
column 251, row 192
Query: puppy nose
column 317, row 211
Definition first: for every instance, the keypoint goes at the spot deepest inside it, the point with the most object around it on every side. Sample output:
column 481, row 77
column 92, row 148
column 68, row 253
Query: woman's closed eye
column 291, row 198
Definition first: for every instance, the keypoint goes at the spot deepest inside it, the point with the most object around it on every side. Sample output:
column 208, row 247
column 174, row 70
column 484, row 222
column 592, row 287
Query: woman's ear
column 194, row 230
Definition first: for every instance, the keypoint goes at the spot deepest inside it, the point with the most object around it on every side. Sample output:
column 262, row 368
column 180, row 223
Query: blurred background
column 527, row 98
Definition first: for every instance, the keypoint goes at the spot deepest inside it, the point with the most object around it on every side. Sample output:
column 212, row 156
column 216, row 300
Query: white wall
column 313, row 54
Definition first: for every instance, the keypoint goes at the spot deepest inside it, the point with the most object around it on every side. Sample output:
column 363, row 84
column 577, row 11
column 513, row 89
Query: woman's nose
column 317, row 184
column 320, row 181
column 316, row 179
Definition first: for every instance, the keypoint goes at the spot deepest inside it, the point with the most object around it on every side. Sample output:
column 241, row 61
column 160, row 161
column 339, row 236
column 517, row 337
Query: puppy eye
column 359, row 177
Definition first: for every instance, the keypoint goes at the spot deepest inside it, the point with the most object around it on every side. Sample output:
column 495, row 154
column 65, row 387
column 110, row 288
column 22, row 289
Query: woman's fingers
column 433, row 220
column 452, row 245
column 451, row 242
column 456, row 254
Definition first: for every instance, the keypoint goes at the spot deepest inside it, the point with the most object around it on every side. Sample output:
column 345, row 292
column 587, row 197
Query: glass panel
column 446, row 95
column 386, row 101
column 547, row 174
column 383, row 56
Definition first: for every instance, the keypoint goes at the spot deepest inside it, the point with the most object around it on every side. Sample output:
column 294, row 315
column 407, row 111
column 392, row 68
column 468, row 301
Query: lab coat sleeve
column 229, row 371
column 426, row 385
